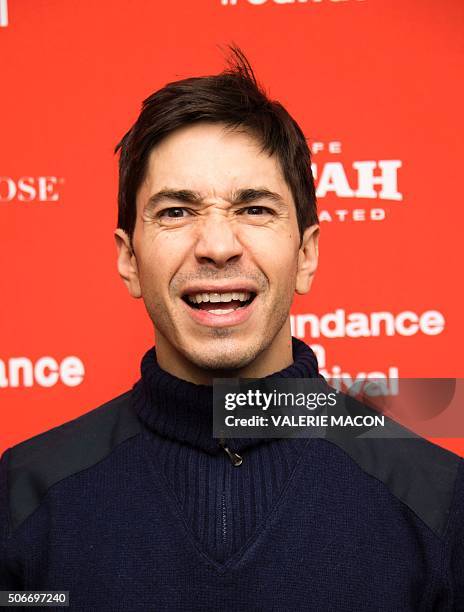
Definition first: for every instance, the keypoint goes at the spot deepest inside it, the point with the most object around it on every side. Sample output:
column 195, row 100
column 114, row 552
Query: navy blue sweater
column 134, row 506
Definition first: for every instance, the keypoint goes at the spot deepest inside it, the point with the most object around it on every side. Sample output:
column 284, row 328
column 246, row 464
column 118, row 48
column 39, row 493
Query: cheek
column 276, row 254
column 162, row 257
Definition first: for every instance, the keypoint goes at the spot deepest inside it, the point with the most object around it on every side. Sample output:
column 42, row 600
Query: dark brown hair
column 234, row 98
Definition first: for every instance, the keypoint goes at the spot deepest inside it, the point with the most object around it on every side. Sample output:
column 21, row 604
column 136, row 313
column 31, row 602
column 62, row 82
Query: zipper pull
column 234, row 457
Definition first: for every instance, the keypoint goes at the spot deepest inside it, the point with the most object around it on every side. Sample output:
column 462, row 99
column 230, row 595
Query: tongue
column 220, row 305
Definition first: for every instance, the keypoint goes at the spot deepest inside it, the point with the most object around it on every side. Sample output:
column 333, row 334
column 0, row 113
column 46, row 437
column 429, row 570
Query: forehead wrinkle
column 246, row 194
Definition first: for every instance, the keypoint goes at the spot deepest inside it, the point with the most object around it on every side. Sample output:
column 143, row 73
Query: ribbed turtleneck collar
column 183, row 411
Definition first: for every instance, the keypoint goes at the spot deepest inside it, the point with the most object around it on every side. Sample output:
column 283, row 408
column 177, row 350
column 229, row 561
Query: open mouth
column 219, row 303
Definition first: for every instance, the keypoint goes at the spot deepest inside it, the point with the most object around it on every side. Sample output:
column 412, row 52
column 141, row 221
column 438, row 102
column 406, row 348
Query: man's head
column 216, row 202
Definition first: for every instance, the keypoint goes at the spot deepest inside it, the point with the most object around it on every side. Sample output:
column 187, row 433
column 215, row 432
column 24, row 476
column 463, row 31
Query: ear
column 308, row 256
column 127, row 263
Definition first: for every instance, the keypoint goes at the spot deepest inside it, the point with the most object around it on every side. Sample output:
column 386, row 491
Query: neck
column 183, row 411
column 277, row 356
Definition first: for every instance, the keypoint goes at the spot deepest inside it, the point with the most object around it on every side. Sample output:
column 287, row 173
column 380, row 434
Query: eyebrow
column 241, row 196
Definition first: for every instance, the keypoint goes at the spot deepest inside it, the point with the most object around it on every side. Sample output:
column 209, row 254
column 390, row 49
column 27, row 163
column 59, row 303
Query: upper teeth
column 218, row 297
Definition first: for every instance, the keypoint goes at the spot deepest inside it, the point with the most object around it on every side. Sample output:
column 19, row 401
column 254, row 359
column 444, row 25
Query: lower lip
column 204, row 317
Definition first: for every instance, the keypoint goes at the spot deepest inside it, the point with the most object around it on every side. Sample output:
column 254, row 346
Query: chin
column 224, row 356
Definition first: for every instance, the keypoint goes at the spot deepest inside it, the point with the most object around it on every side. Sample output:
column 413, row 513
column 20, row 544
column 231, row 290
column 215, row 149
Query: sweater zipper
column 234, row 457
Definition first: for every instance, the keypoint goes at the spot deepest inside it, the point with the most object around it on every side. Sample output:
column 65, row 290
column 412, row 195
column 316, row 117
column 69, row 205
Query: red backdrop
column 376, row 86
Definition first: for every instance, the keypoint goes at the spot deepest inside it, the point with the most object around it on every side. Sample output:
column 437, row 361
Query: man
column 135, row 506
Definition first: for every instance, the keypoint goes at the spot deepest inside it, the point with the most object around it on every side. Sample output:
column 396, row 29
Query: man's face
column 217, row 254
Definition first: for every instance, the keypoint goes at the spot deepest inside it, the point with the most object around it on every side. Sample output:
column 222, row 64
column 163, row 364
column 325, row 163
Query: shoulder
column 34, row 465
column 422, row 475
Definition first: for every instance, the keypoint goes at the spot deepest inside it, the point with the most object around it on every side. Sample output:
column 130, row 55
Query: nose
column 217, row 242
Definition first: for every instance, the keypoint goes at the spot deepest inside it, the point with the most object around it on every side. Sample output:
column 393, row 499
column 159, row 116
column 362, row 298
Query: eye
column 174, row 212
column 257, row 210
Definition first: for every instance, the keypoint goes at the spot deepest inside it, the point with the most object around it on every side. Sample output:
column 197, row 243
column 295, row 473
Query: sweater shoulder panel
column 43, row 460
column 417, row 472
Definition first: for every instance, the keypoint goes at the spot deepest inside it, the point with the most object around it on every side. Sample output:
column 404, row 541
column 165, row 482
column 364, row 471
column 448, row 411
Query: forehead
column 212, row 160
